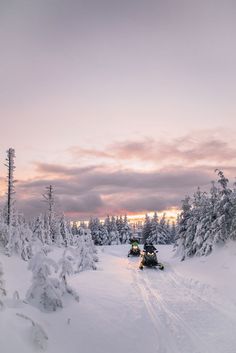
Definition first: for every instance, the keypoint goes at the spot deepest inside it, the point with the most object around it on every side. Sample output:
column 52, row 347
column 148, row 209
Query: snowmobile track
column 184, row 320
column 172, row 331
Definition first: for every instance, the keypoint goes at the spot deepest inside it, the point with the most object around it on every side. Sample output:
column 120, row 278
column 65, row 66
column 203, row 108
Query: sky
column 123, row 106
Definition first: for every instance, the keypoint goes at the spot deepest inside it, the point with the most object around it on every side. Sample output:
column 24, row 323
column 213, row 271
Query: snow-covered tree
column 90, row 244
column 45, row 291
column 53, row 219
column 2, row 283
column 19, row 238
column 65, row 231
column 4, row 232
column 203, row 239
column 25, row 236
column 164, row 237
column 207, row 220
column 66, row 269
column 173, row 232
column 99, row 231
column 159, row 230
column 94, row 226
column 146, row 231
column 103, row 235
column 107, row 223
column 74, row 228
column 222, row 224
column 85, row 255
column 232, row 231
column 154, row 230
column 193, row 223
column 114, row 234
column 47, row 230
column 125, row 230
column 183, row 229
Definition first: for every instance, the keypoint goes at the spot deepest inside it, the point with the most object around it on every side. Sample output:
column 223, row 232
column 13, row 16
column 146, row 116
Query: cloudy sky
column 124, row 106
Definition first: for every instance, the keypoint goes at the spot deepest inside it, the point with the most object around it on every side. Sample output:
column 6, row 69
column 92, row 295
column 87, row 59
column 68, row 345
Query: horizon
column 138, row 219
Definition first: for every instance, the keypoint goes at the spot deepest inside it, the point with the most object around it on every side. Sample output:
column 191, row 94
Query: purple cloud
column 179, row 167
column 98, row 192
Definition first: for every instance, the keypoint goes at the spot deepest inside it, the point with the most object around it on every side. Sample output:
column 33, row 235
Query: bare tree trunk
column 49, row 197
column 10, row 184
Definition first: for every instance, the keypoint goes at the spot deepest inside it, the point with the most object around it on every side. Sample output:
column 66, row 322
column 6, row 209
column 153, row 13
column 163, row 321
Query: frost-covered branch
column 38, row 335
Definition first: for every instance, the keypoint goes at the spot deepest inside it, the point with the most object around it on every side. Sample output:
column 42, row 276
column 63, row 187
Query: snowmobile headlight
column 135, row 247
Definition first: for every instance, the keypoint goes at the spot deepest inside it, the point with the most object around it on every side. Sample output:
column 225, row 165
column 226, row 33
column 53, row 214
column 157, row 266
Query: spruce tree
column 146, row 231
column 183, row 227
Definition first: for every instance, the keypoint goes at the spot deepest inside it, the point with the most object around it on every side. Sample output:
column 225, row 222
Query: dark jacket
column 149, row 248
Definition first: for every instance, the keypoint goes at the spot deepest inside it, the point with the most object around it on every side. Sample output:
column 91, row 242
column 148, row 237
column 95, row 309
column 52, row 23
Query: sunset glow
column 115, row 105
column 170, row 214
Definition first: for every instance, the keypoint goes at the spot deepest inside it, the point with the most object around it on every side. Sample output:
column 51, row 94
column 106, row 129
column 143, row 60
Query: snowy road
column 186, row 316
column 124, row 310
column 183, row 320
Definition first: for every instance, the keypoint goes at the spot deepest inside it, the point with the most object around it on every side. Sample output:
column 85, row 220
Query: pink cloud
column 188, row 150
column 179, row 166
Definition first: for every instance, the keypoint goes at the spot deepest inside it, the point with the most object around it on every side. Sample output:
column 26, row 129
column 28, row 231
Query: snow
column 190, row 307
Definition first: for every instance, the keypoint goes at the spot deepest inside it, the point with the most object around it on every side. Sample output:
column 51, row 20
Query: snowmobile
column 149, row 259
column 135, row 250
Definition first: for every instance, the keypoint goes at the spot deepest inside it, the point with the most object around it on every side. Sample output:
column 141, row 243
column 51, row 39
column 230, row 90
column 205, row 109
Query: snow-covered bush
column 45, row 291
column 85, row 255
column 90, row 244
column 66, row 269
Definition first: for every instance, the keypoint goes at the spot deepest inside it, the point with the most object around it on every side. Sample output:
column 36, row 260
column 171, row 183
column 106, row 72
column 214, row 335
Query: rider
column 134, row 243
column 148, row 247
column 133, row 240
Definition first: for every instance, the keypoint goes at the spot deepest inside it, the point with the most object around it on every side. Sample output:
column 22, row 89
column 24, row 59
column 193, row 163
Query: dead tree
column 49, row 199
column 10, row 164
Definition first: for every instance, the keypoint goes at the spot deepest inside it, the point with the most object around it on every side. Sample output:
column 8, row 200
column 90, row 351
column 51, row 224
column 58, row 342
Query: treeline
column 117, row 230
column 112, row 231
column 158, row 231
column 207, row 219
